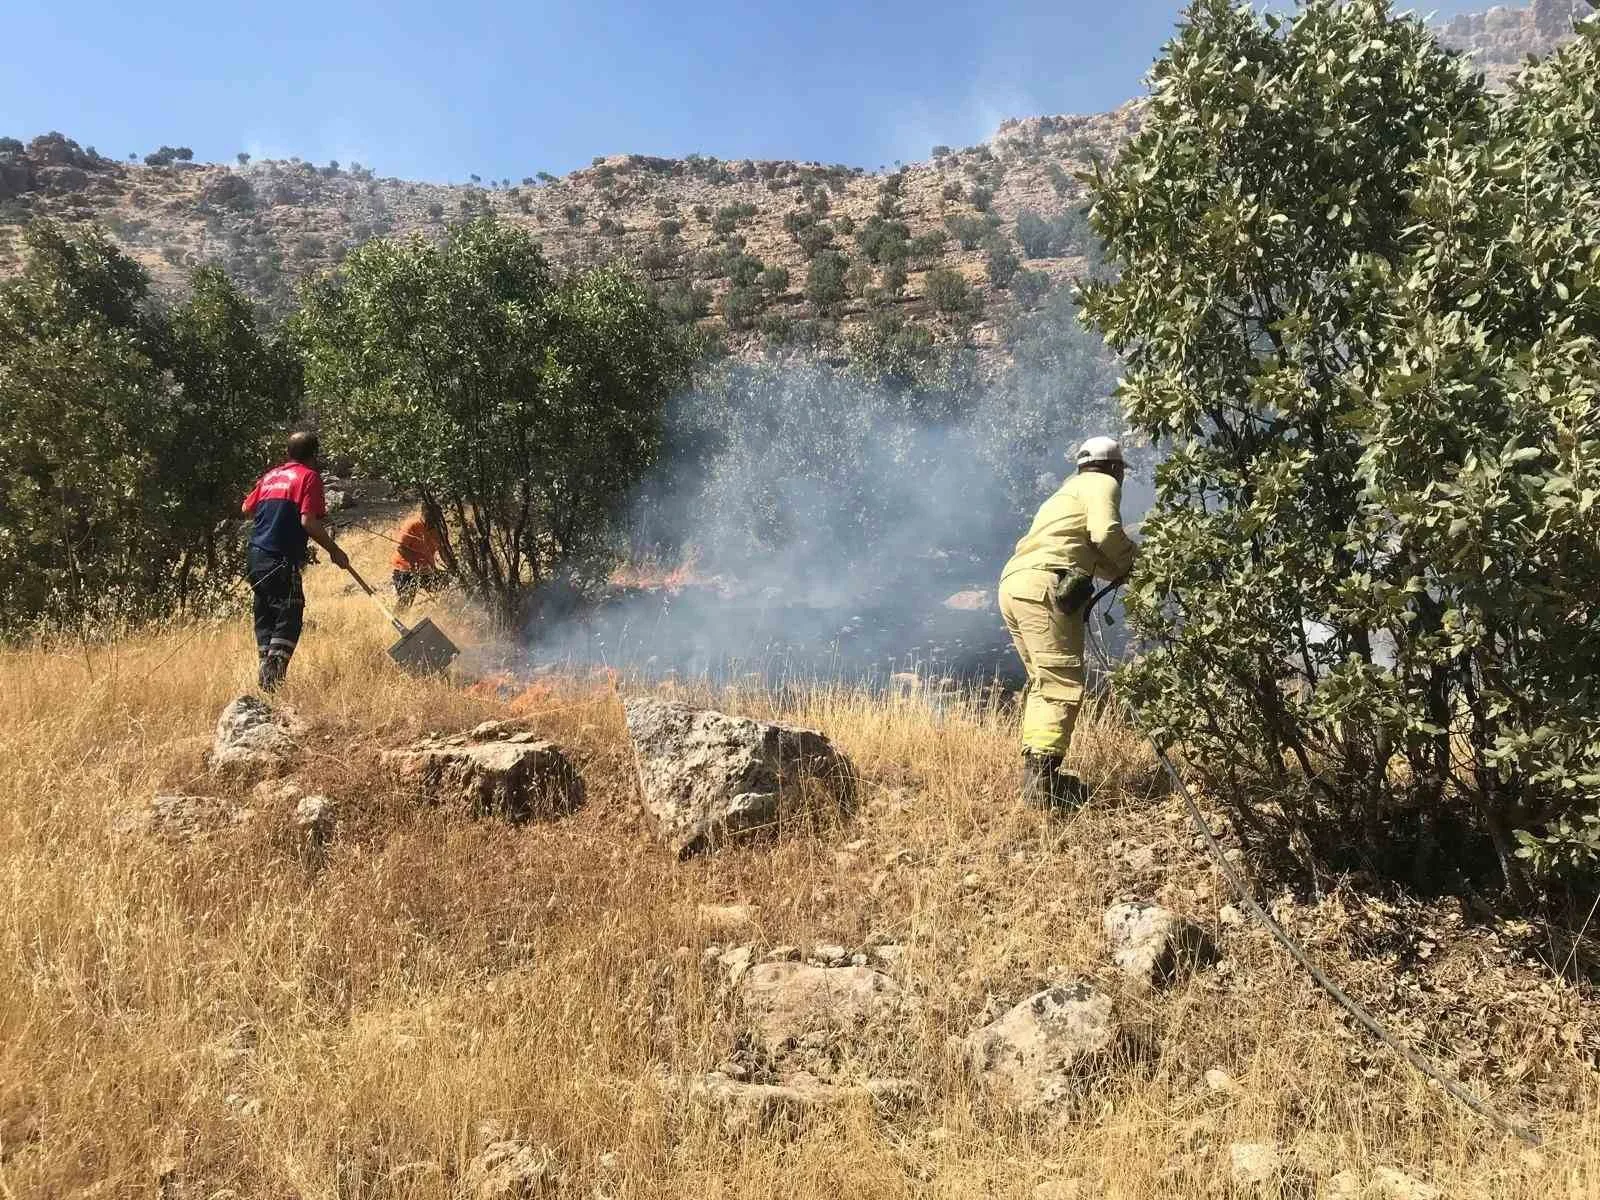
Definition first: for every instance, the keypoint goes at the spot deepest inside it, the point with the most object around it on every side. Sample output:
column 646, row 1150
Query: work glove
column 1072, row 592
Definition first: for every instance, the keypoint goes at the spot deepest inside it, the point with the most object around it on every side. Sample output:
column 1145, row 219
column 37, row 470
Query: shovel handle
column 367, row 588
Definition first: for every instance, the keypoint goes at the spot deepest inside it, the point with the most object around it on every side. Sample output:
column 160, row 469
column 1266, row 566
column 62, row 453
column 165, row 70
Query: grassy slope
column 215, row 1019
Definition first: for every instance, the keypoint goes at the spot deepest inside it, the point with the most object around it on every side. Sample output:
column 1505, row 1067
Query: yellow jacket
column 1078, row 529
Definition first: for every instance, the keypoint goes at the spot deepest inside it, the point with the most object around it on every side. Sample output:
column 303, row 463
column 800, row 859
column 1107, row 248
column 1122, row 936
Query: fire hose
column 1263, row 918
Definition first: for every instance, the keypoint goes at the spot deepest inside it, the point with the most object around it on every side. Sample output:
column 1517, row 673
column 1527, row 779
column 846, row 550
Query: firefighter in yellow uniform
column 1044, row 590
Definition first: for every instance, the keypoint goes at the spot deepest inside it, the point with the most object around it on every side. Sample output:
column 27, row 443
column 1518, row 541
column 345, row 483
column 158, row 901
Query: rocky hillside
column 762, row 251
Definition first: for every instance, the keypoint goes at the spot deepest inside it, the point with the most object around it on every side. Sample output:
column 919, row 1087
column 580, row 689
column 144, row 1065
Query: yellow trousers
column 1051, row 648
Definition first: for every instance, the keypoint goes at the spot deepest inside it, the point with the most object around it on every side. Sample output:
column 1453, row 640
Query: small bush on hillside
column 858, row 279
column 574, row 214
column 952, row 191
column 948, row 291
column 435, row 211
column 684, row 303
column 740, row 306
column 893, row 280
column 814, row 240
column 1000, row 260
column 1029, row 287
column 825, row 281
column 669, row 228
column 967, row 231
column 775, row 280
column 981, row 198
column 883, row 241
column 168, row 155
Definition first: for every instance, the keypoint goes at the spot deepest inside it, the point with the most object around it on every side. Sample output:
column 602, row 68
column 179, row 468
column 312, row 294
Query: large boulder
column 785, row 1001
column 708, row 778
column 1154, row 945
column 496, row 768
column 252, row 736
column 1040, row 1052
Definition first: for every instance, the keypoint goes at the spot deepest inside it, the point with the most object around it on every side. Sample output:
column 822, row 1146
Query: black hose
column 1295, row 951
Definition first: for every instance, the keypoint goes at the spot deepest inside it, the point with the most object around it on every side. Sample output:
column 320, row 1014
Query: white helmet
column 1098, row 450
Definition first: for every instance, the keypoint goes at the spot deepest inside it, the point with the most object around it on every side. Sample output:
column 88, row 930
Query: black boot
column 1039, row 775
column 1067, row 791
column 274, row 666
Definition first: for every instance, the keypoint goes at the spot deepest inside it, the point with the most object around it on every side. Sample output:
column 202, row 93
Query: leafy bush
column 947, row 290
column 684, row 303
column 743, row 269
column 825, row 281
column 435, row 211
column 131, row 430
column 1029, row 287
column 893, row 280
column 168, row 155
column 547, row 415
column 858, row 279
column 740, row 306
column 952, row 190
column 884, row 241
column 814, row 240
column 981, row 198
column 670, row 228
column 1371, row 572
column 968, row 231
column 574, row 214
column 1000, row 260
column 775, row 280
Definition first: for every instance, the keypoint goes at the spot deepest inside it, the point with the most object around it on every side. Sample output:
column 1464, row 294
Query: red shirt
column 279, row 501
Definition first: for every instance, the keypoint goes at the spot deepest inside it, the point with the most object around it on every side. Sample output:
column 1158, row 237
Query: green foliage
column 825, row 281
column 884, row 241
column 1029, row 287
column 775, row 280
column 947, row 290
column 814, row 239
column 435, row 211
column 131, row 431
column 670, row 228
column 858, row 279
column 740, row 306
column 168, row 155
column 981, row 198
column 1000, row 260
column 527, row 404
column 1062, row 234
column 683, row 303
column 573, row 213
column 969, row 231
column 952, row 190
column 1357, row 297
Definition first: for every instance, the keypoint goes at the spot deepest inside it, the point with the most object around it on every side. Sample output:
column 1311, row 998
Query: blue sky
column 502, row 89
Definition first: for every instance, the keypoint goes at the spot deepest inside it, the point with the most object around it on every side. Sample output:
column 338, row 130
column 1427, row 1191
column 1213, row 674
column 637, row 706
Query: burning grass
column 220, row 1019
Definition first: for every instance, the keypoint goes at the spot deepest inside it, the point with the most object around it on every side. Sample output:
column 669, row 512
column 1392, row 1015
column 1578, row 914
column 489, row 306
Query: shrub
column 981, row 198
column 610, row 228
column 739, row 307
column 684, row 303
column 883, row 241
column 1383, row 613
column 669, row 228
column 858, row 279
column 168, row 155
column 952, row 190
column 743, row 270
column 967, row 231
column 927, row 246
column 1029, row 287
column 1000, row 260
column 549, row 413
column 947, row 290
column 894, row 280
column 825, row 281
column 941, row 151
column 574, row 214
column 435, row 211
column 815, row 239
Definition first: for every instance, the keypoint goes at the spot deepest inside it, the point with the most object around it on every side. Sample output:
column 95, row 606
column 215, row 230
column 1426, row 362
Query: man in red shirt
column 287, row 505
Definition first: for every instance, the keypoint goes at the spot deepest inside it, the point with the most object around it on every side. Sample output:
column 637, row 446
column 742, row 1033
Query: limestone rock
column 1154, row 945
column 314, row 817
column 708, row 778
column 253, row 736
column 1393, row 1184
column 512, row 1170
column 1254, row 1164
column 755, row 1106
column 726, row 917
column 1039, row 1052
column 785, row 1001
column 179, row 818
column 494, row 768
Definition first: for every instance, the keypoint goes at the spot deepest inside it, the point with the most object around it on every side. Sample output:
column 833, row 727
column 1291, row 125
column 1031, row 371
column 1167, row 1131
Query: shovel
column 422, row 649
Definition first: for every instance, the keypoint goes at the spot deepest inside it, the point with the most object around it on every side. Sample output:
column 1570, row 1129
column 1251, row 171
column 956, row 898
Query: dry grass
column 218, row 1019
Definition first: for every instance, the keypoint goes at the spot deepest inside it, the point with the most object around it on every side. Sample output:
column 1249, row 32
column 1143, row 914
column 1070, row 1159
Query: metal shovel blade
column 425, row 650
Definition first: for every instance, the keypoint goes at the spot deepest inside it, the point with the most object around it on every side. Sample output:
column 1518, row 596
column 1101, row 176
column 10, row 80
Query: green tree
column 130, row 429
column 1000, row 260
column 775, row 280
column 526, row 404
column 825, row 281
column 1355, row 298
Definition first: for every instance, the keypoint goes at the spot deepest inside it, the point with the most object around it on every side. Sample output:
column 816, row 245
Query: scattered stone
column 1154, row 945
column 976, row 600
column 1039, row 1052
column 708, row 778
column 782, row 954
column 736, row 962
column 755, row 1106
column 1254, row 1164
column 785, row 1001
column 512, row 1170
column 253, row 736
column 314, row 816
column 276, row 793
column 1393, row 1184
column 727, row 917
column 889, row 954
column 181, row 818
column 1230, row 916
column 1218, row 1080
column 830, row 955
column 494, row 768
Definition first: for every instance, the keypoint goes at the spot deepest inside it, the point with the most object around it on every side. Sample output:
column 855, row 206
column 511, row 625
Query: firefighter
column 287, row 505
column 416, row 555
column 1044, row 592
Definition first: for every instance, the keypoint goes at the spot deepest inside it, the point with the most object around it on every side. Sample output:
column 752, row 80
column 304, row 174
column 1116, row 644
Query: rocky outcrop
column 1041, row 1051
column 787, row 1001
column 708, row 778
column 495, row 768
column 1502, row 37
column 180, row 818
column 749, row 1107
column 254, row 737
column 1154, row 945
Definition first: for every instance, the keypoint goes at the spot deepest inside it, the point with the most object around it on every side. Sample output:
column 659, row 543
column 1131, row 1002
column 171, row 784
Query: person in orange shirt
column 416, row 555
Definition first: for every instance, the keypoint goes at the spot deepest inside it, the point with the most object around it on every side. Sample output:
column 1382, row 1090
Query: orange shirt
column 418, row 548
